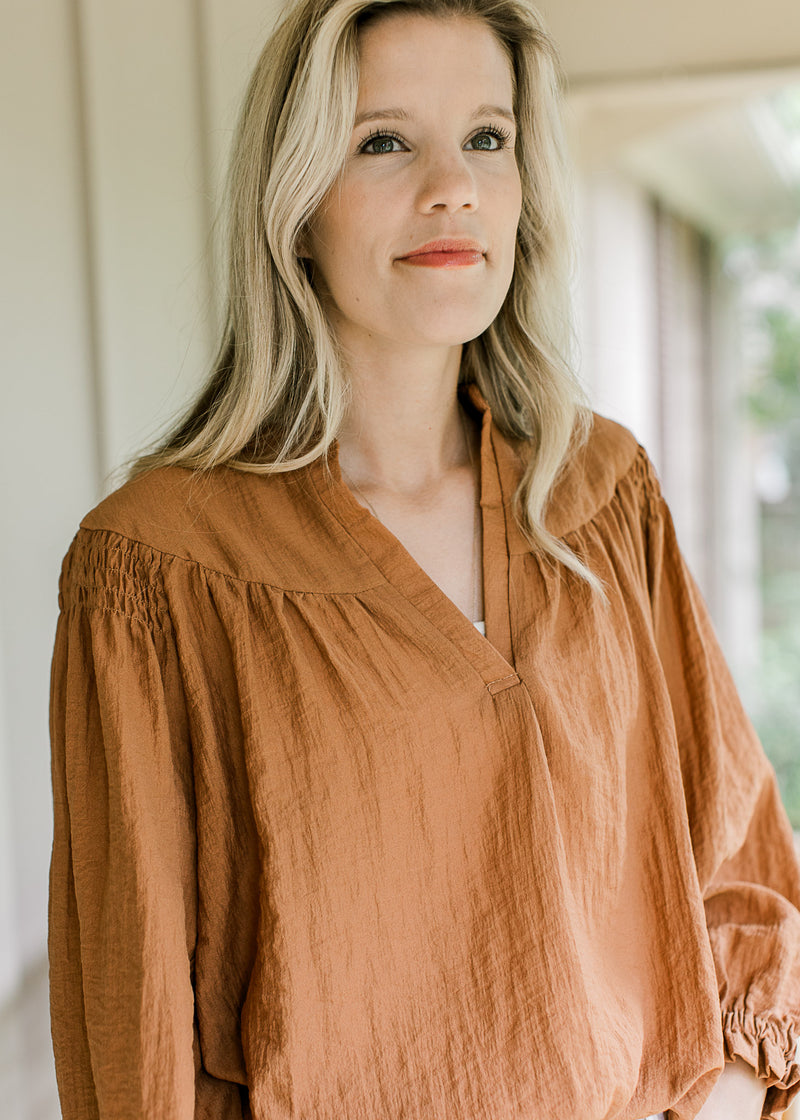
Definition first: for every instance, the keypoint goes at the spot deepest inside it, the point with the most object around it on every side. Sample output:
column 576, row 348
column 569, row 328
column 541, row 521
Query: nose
column 446, row 184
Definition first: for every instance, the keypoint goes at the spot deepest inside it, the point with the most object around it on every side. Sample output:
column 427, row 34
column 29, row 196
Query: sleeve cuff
column 772, row 1048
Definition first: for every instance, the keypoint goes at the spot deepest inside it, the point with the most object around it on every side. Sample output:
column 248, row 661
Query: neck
column 404, row 428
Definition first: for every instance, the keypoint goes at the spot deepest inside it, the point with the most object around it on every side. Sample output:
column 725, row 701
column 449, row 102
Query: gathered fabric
column 323, row 850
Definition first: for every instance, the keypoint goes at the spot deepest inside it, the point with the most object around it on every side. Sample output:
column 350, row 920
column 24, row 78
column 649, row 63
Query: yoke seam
column 163, row 553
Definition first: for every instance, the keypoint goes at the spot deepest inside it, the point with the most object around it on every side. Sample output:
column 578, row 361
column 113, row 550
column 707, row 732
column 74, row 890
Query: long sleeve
column 743, row 845
column 122, row 915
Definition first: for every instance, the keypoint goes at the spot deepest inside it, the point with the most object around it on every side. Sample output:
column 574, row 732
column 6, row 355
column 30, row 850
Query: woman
column 323, row 849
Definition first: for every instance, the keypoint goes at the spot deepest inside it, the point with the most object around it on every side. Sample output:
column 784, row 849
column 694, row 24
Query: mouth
column 445, row 253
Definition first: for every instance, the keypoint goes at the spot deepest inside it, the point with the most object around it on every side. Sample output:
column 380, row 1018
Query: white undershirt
column 481, row 626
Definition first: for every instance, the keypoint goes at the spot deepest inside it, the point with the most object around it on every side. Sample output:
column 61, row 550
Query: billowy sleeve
column 123, row 894
column 742, row 840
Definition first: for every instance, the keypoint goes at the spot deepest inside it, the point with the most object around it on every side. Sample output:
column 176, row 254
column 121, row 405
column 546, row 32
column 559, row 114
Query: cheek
column 363, row 229
column 513, row 201
column 340, row 229
column 338, row 250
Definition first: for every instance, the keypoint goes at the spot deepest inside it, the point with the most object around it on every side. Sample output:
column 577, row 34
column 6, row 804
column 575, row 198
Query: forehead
column 422, row 56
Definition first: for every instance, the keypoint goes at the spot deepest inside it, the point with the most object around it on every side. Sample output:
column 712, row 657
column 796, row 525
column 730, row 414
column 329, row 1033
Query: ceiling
column 678, row 95
column 611, row 40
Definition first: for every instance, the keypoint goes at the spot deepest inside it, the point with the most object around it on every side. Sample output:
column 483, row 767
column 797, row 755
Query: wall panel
column 231, row 35
column 48, row 456
column 147, row 195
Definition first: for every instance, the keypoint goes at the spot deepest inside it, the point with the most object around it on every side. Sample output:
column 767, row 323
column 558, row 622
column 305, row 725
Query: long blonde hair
column 278, row 391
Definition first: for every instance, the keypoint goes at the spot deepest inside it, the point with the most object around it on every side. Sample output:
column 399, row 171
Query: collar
column 587, row 481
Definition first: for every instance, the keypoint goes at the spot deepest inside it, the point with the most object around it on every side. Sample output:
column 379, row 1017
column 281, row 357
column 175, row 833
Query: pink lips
column 445, row 253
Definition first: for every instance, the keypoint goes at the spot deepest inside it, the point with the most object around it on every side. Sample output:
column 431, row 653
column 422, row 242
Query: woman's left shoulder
column 591, row 476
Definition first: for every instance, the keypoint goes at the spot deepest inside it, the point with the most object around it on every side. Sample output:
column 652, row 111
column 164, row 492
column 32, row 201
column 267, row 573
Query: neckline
column 490, row 655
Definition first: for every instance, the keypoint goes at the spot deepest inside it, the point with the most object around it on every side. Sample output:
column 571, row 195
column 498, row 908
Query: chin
column 447, row 326
column 450, row 340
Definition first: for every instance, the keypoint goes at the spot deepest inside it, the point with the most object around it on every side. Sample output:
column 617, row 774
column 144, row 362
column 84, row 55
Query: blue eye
column 381, row 143
column 489, row 140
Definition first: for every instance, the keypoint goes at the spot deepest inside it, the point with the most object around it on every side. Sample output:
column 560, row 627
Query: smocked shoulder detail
column 645, row 477
column 590, row 480
column 637, row 490
column 107, row 572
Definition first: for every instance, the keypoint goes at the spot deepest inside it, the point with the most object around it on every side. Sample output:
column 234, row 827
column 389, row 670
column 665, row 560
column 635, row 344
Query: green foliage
column 774, row 402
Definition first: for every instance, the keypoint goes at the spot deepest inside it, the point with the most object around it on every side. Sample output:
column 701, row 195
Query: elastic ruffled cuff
column 771, row 1048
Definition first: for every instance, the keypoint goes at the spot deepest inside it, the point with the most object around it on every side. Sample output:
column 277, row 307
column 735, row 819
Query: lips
column 445, row 253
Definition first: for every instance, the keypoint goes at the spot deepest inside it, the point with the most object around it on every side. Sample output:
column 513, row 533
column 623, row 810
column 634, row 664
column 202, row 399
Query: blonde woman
column 398, row 775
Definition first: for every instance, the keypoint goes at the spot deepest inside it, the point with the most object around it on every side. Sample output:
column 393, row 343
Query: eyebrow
column 403, row 115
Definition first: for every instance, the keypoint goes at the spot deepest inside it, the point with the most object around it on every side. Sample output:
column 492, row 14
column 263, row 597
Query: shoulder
column 186, row 514
column 593, row 473
column 261, row 528
column 167, row 508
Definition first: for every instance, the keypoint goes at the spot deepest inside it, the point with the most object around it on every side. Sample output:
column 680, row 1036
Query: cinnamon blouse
column 325, row 852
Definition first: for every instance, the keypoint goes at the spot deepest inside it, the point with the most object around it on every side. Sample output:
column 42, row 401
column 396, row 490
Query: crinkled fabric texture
column 324, row 851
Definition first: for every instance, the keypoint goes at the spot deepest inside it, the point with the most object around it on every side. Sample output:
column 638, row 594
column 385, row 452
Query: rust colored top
column 324, row 852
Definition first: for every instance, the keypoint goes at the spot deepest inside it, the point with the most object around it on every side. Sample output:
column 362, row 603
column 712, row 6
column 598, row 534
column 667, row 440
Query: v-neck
column 492, row 656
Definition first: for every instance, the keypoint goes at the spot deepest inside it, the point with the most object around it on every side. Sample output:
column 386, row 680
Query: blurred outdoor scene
column 691, row 280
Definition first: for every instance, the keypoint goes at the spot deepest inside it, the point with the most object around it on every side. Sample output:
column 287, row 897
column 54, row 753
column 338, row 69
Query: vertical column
column 619, row 310
column 684, row 386
column 736, row 555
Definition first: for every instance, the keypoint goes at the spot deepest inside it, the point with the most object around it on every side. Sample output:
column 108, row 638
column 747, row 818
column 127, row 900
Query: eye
column 489, row 140
column 381, row 143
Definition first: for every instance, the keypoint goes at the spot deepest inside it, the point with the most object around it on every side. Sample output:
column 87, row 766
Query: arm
column 123, row 893
column 744, row 853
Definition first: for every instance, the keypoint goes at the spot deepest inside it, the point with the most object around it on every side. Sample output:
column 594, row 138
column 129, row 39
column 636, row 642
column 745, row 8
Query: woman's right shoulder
column 152, row 504
column 116, row 552
column 240, row 524
column 186, row 514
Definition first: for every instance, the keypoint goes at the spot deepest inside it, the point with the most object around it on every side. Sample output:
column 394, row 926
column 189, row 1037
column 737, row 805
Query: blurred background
column 684, row 122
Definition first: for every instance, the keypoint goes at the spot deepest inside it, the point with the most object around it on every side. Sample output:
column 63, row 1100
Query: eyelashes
column 501, row 137
column 378, row 134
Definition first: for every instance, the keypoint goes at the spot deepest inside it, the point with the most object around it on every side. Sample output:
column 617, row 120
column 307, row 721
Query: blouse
column 323, row 851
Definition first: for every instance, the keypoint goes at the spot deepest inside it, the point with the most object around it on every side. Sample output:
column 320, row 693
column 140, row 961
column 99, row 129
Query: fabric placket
column 495, row 566
column 490, row 656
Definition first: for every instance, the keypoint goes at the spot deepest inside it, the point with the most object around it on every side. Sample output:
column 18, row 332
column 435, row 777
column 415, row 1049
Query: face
column 415, row 242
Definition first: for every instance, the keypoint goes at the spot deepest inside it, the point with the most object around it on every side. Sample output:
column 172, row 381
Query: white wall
column 116, row 119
